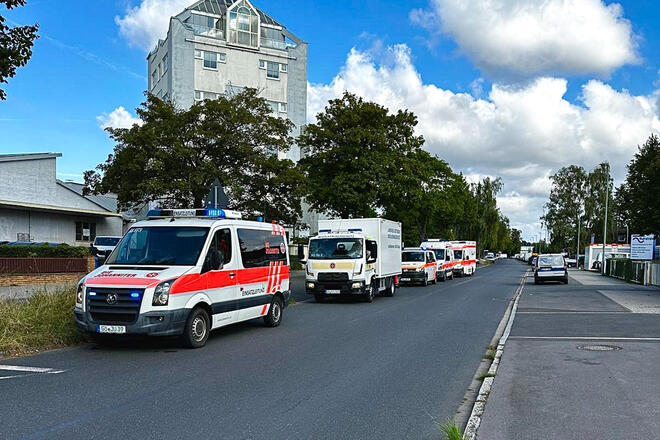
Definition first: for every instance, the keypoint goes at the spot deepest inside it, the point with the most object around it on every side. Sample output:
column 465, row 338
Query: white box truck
column 354, row 257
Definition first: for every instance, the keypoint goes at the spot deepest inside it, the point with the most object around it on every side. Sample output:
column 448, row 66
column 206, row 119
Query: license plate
column 116, row 329
column 333, row 292
column 405, row 279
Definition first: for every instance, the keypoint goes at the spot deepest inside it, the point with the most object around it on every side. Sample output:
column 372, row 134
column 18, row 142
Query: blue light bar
column 135, row 294
column 217, row 213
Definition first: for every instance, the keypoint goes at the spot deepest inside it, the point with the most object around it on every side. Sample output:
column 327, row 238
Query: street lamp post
column 607, row 197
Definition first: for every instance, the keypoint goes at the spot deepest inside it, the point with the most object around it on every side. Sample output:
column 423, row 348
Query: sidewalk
column 582, row 362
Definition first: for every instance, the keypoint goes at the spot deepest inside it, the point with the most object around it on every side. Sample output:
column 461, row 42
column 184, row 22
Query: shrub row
column 43, row 251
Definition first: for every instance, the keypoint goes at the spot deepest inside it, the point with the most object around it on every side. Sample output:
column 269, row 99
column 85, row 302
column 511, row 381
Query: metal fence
column 42, row 265
column 640, row 272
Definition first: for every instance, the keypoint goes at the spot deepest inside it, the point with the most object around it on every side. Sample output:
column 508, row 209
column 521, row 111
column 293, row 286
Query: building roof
column 219, row 7
column 106, row 201
column 28, row 156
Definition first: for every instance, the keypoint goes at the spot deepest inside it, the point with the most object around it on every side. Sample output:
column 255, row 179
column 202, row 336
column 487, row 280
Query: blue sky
column 82, row 68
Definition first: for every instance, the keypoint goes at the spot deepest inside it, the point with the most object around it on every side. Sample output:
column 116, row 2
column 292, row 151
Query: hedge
column 43, row 251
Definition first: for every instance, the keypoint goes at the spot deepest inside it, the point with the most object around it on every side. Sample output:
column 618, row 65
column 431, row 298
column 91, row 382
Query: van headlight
column 80, row 293
column 162, row 293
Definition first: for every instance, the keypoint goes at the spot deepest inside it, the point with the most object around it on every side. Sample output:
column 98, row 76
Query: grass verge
column 490, row 355
column 452, row 432
column 42, row 322
column 483, row 376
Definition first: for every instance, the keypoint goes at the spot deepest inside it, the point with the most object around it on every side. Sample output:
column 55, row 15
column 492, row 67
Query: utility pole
column 577, row 255
column 607, row 197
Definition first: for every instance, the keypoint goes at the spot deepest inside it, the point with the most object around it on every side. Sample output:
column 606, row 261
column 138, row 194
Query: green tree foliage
column 353, row 152
column 579, row 196
column 363, row 161
column 566, row 205
column 175, row 155
column 638, row 198
column 15, row 45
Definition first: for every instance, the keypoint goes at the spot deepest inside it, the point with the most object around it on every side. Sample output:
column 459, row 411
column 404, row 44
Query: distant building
column 218, row 47
column 36, row 206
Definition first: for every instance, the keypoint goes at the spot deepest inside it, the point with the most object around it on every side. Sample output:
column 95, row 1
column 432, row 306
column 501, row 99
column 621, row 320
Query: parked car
column 571, row 261
column 550, row 267
column 104, row 244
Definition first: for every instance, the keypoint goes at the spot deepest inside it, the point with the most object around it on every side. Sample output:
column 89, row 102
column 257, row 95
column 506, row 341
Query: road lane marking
column 30, row 371
column 586, row 338
column 576, row 312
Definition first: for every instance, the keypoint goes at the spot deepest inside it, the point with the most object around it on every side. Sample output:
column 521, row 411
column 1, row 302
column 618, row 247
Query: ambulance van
column 465, row 256
column 444, row 256
column 186, row 272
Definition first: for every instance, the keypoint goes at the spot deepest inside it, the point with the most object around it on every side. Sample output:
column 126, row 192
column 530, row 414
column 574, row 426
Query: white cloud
column 530, row 37
column 144, row 24
column 118, row 118
column 522, row 133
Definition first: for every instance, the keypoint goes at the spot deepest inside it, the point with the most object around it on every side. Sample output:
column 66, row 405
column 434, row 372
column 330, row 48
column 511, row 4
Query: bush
column 44, row 321
column 43, row 251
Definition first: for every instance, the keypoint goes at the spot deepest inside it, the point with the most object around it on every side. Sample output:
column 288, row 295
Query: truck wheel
column 197, row 329
column 390, row 290
column 274, row 316
column 319, row 297
column 370, row 294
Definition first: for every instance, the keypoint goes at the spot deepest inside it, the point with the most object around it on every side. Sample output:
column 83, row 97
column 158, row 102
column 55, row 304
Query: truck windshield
column 176, row 246
column 458, row 255
column 335, row 248
column 439, row 254
column 106, row 241
column 412, row 256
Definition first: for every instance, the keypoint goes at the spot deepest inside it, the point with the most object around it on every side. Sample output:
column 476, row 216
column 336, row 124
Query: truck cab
column 353, row 258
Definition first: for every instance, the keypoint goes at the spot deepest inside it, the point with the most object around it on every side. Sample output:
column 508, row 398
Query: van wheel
column 566, row 279
column 370, row 294
column 197, row 329
column 274, row 316
column 319, row 297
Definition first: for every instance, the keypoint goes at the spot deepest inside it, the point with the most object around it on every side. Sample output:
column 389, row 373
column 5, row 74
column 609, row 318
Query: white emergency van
column 444, row 256
column 354, row 257
column 418, row 266
column 465, row 254
column 186, row 272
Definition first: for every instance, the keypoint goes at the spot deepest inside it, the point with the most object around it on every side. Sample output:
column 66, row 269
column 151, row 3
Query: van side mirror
column 212, row 261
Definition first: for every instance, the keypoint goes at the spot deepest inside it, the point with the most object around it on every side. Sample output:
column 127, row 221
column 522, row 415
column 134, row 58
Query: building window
column 206, row 26
column 210, row 60
column 283, row 68
column 273, row 38
column 272, row 70
column 282, row 107
column 154, row 78
column 165, row 63
column 85, row 231
column 160, row 70
column 198, row 54
column 200, row 95
column 222, row 57
column 262, row 64
column 243, row 25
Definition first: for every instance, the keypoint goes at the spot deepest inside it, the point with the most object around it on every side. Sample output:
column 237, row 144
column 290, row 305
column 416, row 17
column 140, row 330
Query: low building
column 35, row 206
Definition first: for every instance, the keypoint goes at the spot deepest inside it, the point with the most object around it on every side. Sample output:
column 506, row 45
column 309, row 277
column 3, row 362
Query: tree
column 637, row 199
column 15, row 45
column 565, row 206
column 353, row 152
column 174, row 156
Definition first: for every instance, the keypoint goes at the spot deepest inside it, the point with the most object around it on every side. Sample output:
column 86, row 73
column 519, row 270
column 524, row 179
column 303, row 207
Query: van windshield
column 439, row 254
column 413, row 256
column 176, row 246
column 335, row 248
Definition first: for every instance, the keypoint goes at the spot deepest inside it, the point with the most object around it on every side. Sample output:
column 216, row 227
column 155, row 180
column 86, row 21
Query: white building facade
column 218, row 47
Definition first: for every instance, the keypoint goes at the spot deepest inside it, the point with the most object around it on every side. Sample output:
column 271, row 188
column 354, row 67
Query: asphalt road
column 392, row 369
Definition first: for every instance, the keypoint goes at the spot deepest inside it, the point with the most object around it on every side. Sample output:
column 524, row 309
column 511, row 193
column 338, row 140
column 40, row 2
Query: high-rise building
column 217, row 47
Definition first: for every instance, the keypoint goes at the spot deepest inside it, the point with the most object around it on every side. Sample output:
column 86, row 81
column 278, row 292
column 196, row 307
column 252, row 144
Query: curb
column 474, row 421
